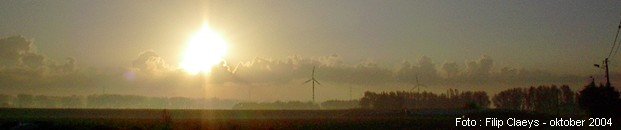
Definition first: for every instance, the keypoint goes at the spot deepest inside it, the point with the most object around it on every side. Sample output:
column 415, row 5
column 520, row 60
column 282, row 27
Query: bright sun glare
column 205, row 50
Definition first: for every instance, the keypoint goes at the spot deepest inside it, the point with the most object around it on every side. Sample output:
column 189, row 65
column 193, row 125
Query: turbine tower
column 314, row 81
column 418, row 85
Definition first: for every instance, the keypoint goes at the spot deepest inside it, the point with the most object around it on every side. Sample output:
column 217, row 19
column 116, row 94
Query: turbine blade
column 317, row 82
column 307, row 81
column 235, row 69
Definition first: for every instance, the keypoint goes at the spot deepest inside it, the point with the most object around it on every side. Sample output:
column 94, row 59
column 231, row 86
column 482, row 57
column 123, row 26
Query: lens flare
column 205, row 49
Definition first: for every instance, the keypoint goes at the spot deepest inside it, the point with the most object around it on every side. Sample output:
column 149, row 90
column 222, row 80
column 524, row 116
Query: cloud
column 450, row 69
column 17, row 52
column 21, row 65
column 427, row 68
column 479, row 69
column 151, row 63
column 332, row 69
column 33, row 60
column 369, row 73
column 425, row 71
column 22, row 69
column 333, row 60
column 14, row 49
column 68, row 66
column 297, row 69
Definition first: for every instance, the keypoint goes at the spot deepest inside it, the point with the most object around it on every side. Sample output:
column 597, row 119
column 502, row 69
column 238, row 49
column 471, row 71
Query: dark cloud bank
column 23, row 70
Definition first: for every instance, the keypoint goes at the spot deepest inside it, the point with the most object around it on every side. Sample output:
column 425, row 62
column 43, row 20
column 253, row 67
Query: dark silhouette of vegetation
column 340, row 104
column 24, row 100
column 548, row 99
column 278, row 105
column 166, row 120
column 510, row 99
column 453, row 99
column 602, row 101
column 154, row 119
column 5, row 100
column 112, row 101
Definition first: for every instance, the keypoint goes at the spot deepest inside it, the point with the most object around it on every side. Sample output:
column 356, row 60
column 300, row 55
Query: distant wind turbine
column 314, row 81
column 418, row 85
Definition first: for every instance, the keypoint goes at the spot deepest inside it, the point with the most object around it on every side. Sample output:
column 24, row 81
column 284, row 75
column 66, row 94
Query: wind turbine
column 314, row 81
column 418, row 85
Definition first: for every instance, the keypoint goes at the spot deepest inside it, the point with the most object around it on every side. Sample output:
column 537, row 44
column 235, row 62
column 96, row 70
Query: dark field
column 246, row 119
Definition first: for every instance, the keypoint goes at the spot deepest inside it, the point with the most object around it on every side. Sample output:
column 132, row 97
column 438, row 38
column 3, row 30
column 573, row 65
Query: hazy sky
column 560, row 36
column 564, row 37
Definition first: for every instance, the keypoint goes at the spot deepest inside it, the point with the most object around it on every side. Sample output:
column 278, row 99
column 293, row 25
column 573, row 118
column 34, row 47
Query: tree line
column 278, row 105
column 112, row 101
column 297, row 105
column 453, row 99
column 599, row 101
column 143, row 102
column 547, row 99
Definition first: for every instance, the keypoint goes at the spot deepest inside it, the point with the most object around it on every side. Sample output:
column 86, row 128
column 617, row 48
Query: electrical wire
column 614, row 43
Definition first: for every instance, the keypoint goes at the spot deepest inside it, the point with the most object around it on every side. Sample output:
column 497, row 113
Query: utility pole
column 607, row 76
column 605, row 67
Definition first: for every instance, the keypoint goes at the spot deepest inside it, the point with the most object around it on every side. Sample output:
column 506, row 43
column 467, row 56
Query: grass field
column 244, row 119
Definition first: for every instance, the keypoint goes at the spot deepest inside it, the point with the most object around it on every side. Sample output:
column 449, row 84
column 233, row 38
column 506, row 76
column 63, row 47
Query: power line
column 606, row 61
column 614, row 43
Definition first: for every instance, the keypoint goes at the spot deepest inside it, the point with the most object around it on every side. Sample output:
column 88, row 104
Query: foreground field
column 242, row 119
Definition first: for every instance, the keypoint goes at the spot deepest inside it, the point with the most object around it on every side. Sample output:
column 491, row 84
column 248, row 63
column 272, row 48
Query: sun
column 205, row 50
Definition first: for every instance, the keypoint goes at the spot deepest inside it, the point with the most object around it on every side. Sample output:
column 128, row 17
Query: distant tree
column 340, row 104
column 568, row 101
column 367, row 100
column 46, row 101
column 6, row 100
column 25, row 101
column 157, row 102
column 472, row 105
column 72, row 102
column 278, row 105
column 546, row 98
column 510, row 99
column 549, row 99
column 167, row 120
column 530, row 99
column 425, row 100
column 602, row 101
column 480, row 99
column 568, row 95
column 180, row 102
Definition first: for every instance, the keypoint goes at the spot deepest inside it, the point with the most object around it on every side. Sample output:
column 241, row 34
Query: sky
column 556, row 40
